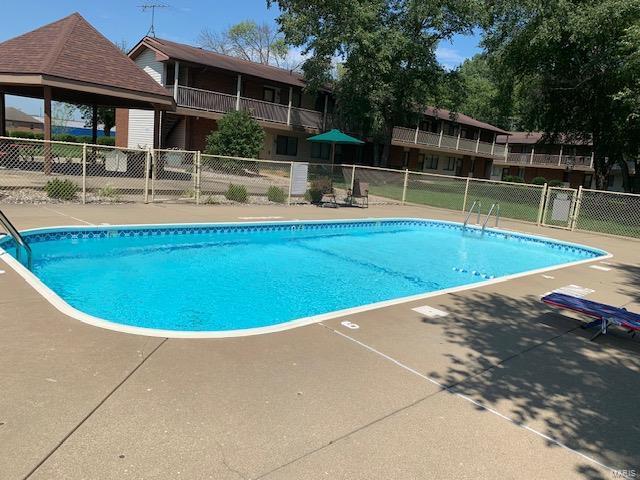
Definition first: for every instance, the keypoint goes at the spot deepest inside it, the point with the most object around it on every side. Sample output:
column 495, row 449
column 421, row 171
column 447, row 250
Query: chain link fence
column 608, row 212
column 35, row 171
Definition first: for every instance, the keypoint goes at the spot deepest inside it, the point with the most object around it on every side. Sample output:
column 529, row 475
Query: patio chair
column 360, row 191
column 604, row 315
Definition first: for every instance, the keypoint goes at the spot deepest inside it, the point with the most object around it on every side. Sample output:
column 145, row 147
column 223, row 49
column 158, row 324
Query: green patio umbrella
column 335, row 137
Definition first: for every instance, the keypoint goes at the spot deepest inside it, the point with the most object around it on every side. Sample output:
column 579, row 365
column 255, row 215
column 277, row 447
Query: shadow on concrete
column 583, row 394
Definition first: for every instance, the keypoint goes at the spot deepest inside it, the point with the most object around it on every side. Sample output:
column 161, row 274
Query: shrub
column 237, row 193
column 276, row 194
column 238, row 135
column 513, row 179
column 109, row 192
column 318, row 188
column 539, row 181
column 62, row 189
column 63, row 137
column 555, row 183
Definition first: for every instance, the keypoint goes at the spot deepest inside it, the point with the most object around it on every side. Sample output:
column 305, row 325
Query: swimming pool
column 246, row 278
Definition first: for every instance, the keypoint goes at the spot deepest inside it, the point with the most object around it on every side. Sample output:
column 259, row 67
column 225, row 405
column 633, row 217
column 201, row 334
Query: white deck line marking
column 600, row 267
column 69, row 216
column 391, row 359
column 549, row 277
column 470, row 400
column 259, row 218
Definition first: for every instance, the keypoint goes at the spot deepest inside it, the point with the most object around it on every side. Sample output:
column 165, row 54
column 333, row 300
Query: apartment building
column 528, row 156
column 206, row 85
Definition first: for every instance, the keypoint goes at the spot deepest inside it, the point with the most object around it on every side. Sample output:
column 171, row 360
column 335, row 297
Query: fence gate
column 559, row 207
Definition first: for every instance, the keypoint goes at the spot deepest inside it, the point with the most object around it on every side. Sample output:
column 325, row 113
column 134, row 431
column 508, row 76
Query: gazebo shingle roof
column 72, row 49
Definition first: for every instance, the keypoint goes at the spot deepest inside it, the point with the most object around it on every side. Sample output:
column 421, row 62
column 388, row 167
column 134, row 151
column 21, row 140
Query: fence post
column 404, row 187
column 576, row 209
column 353, row 177
column 466, row 192
column 290, row 184
column 84, row 173
column 147, row 167
column 543, row 197
column 154, row 173
column 198, row 166
column 440, row 137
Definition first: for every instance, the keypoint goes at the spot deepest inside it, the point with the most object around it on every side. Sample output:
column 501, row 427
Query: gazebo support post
column 3, row 128
column 47, row 130
column 94, row 125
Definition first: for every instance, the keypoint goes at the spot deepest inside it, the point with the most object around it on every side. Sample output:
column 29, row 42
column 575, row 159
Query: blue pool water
column 227, row 277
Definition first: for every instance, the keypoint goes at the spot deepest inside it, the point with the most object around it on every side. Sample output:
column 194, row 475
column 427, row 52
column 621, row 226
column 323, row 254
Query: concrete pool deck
column 503, row 387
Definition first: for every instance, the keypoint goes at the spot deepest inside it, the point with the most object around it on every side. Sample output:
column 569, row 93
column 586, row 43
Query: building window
column 286, row 145
column 405, row 159
column 320, row 150
column 505, row 173
column 420, row 166
column 588, row 180
column 269, row 94
column 451, row 164
column 451, row 130
column 431, row 162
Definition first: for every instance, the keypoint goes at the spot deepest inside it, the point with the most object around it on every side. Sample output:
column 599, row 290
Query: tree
column 487, row 95
column 249, row 41
column 390, row 69
column 579, row 62
column 238, row 135
column 62, row 113
column 106, row 116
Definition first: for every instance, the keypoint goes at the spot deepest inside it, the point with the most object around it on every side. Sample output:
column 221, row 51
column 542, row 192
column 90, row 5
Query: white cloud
column 449, row 57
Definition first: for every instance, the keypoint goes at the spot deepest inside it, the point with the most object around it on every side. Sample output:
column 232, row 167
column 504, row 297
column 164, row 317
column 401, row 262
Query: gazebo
column 70, row 61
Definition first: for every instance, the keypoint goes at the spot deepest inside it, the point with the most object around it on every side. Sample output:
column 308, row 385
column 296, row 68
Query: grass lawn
column 451, row 196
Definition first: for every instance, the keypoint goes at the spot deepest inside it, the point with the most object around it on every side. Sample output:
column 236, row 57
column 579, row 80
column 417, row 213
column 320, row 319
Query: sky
column 182, row 20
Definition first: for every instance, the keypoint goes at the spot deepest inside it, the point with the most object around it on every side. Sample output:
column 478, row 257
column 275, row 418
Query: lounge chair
column 360, row 191
column 604, row 315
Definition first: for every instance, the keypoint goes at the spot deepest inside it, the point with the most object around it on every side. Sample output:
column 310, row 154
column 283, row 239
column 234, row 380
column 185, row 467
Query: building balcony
column 575, row 162
column 217, row 102
column 412, row 136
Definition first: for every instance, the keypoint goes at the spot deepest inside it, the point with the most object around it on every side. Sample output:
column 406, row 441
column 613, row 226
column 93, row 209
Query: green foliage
column 317, row 188
column 539, row 181
column 555, row 183
column 109, row 192
column 61, row 189
column 390, row 69
column 579, row 64
column 238, row 135
column 513, row 179
column 237, row 193
column 486, row 94
column 106, row 116
column 276, row 194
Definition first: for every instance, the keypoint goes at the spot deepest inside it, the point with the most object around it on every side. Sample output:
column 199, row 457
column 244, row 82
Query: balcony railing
column 440, row 140
column 580, row 162
column 211, row 101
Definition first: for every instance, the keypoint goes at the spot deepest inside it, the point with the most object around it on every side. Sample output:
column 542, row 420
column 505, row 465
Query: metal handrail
column 13, row 233
column 466, row 220
column 495, row 206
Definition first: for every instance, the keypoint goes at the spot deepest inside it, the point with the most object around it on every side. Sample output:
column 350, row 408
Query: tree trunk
column 626, row 181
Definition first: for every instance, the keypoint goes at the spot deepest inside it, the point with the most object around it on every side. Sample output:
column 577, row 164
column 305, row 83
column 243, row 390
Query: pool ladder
column 15, row 234
column 494, row 210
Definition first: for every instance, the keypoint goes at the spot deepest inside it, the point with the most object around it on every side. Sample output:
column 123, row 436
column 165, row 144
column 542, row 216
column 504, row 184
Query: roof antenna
column 152, row 7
